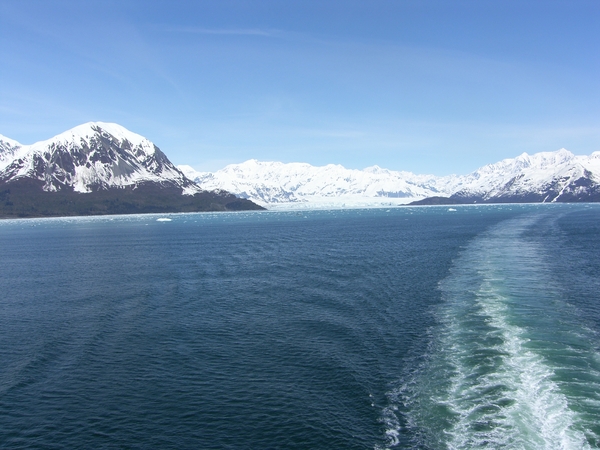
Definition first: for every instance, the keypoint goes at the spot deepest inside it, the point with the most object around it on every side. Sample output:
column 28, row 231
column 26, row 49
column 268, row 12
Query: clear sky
column 427, row 86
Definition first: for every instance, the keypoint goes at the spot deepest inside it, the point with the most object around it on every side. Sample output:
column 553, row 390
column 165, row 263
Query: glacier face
column 542, row 177
column 91, row 157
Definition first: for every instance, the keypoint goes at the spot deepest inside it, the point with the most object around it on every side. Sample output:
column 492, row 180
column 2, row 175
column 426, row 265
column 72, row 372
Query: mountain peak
column 7, row 143
column 375, row 170
column 8, row 150
column 90, row 130
column 550, row 159
column 92, row 156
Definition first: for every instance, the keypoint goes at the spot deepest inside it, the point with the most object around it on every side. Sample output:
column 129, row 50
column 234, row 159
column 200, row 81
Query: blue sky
column 427, row 86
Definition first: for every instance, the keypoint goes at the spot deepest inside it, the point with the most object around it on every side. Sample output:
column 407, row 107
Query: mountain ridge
column 540, row 177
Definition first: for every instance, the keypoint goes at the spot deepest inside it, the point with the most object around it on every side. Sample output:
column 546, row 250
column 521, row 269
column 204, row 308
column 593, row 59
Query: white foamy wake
column 492, row 379
column 518, row 405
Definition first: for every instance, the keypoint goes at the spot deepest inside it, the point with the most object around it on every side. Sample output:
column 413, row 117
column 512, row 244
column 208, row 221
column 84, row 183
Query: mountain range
column 99, row 168
column 558, row 176
column 103, row 168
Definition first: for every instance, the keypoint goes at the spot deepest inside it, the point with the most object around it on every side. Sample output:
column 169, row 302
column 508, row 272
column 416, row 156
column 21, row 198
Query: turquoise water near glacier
column 415, row 327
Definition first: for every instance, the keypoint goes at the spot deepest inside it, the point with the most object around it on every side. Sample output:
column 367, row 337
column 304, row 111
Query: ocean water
column 426, row 327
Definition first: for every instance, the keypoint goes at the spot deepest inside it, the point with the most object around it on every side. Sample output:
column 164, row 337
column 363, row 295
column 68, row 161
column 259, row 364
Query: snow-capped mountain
column 99, row 168
column 542, row 177
column 91, row 157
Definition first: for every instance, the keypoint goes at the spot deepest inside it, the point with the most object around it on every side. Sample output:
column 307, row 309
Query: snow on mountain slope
column 89, row 157
column 8, row 150
column 272, row 183
column 547, row 176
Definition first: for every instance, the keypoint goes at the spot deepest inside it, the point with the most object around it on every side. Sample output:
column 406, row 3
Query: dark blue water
column 407, row 328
